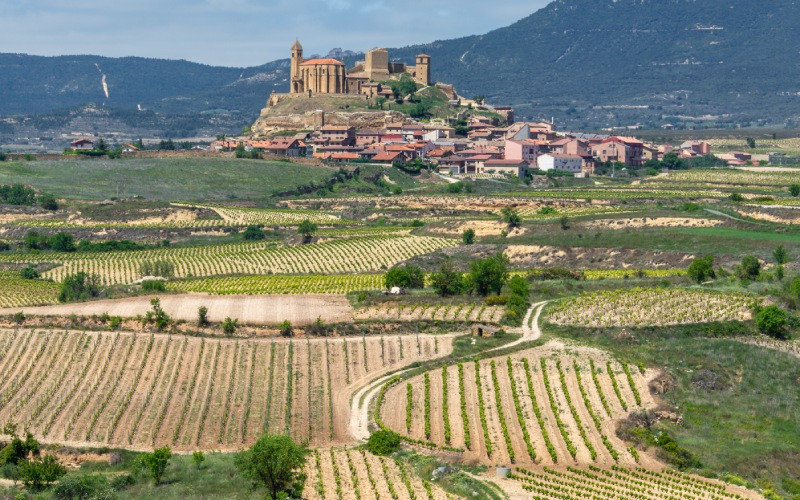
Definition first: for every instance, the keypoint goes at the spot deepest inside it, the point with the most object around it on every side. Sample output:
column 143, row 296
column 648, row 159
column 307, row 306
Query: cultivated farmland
column 333, row 257
column 145, row 391
column 651, row 307
column 354, row 473
column 537, row 406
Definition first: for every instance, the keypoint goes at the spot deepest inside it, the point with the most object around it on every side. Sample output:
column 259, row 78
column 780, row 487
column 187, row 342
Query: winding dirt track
column 362, row 399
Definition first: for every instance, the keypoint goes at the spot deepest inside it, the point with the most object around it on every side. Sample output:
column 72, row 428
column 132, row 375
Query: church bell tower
column 296, row 82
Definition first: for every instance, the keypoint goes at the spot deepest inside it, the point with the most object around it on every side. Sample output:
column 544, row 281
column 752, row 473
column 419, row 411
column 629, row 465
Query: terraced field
column 475, row 312
column 353, row 255
column 145, row 391
column 543, row 406
column 345, row 473
column 651, row 307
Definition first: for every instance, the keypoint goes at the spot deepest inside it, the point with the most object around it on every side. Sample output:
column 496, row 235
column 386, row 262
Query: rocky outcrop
column 268, row 123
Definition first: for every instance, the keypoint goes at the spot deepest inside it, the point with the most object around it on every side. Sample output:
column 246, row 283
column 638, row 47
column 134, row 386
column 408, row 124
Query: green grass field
column 178, row 179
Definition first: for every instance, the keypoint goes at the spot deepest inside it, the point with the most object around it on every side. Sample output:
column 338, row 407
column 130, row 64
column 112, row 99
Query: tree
column 447, row 281
column 229, row 325
column 156, row 463
column 198, row 458
column 40, row 472
column 253, row 233
column 750, row 268
column 489, row 275
column 277, row 462
column 307, row 229
column 407, row 276
column 479, row 99
column 48, row 202
column 751, row 143
column 564, row 222
column 101, row 145
column 167, row 145
column 79, row 286
column 62, row 242
column 202, row 316
column 702, row 269
column 157, row 315
column 383, row 443
column 468, row 236
column 286, row 328
column 736, row 197
column 671, row 161
column 510, row 217
column 240, row 152
column 772, row 321
column 794, row 190
column 781, row 255
column 84, row 486
column 29, row 273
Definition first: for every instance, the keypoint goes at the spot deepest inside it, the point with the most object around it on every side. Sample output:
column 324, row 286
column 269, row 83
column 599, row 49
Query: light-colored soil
column 648, row 222
column 779, row 215
column 251, row 309
column 482, row 228
column 128, row 392
column 393, row 411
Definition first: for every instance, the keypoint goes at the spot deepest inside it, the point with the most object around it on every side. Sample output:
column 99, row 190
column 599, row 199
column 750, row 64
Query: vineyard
column 651, row 307
column 332, row 257
column 234, row 216
column 280, row 284
column 730, row 177
column 476, row 312
column 145, row 391
column 536, row 406
column 619, row 482
column 354, row 473
column 16, row 291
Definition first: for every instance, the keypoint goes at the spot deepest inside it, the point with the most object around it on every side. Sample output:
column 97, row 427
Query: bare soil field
column 145, row 391
column 423, row 312
column 600, row 258
column 779, row 215
column 651, row 222
column 482, row 228
column 575, row 386
column 250, row 309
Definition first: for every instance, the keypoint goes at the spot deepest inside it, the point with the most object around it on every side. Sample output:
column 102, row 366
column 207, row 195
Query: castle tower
column 423, row 70
column 296, row 81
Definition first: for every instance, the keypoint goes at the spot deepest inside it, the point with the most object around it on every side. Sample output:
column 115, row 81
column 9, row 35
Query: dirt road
column 362, row 399
column 249, row 309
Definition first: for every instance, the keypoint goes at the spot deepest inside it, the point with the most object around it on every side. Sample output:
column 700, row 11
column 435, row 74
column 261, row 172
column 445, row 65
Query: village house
column 523, row 150
column 556, row 161
column 81, row 145
column 516, row 168
column 698, row 147
column 625, row 150
column 338, row 135
column 367, row 136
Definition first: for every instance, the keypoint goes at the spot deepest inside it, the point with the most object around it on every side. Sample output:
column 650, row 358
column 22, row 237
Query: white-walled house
column 555, row 161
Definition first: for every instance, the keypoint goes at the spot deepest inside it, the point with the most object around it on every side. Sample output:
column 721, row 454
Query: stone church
column 329, row 76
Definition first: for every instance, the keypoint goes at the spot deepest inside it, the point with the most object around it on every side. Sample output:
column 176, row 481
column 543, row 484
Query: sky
column 241, row 32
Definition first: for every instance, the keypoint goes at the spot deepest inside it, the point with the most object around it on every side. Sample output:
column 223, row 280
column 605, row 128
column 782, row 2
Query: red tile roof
column 385, row 156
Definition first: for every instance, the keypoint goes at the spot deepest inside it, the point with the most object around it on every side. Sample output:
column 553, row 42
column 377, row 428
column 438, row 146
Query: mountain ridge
column 588, row 63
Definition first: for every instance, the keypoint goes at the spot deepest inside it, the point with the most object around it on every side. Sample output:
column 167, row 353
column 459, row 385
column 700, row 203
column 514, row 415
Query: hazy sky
column 241, row 32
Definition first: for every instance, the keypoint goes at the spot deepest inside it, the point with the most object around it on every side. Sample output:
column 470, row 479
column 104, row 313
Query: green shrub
column 202, row 316
column 383, row 443
column 750, row 268
column 79, row 286
column 229, row 326
column 154, row 286
column 772, row 320
column 702, row 269
column 40, row 472
column 468, row 236
column 407, row 276
column 198, row 458
column 286, row 328
column 29, row 273
column 83, row 486
column 19, row 317
column 794, row 190
column 253, row 233
column 48, row 202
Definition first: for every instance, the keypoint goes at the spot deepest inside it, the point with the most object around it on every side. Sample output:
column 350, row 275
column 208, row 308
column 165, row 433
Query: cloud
column 240, row 32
